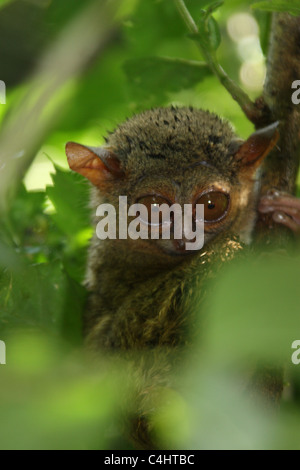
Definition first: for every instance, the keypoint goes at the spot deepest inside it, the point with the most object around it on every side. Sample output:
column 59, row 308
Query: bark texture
column 282, row 165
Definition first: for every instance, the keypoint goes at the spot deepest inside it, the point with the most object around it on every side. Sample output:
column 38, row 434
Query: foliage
column 292, row 7
column 50, row 397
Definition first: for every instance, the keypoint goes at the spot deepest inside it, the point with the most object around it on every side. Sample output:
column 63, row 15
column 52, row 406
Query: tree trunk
column 281, row 166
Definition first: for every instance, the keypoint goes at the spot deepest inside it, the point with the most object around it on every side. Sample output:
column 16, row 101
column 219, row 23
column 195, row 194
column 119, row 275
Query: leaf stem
column 186, row 16
column 251, row 110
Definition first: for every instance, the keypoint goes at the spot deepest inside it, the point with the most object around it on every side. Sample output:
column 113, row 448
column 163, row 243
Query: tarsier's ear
column 99, row 165
column 252, row 152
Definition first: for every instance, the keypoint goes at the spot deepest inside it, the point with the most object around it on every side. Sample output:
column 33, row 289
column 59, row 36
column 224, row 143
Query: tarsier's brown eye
column 152, row 203
column 215, row 205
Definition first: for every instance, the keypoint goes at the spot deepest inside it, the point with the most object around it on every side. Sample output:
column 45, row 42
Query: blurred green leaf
column 70, row 197
column 264, row 19
column 49, row 401
column 154, row 77
column 292, row 6
column 23, row 35
column 26, row 218
column 221, row 416
column 41, row 297
column 254, row 310
column 4, row 2
column 212, row 6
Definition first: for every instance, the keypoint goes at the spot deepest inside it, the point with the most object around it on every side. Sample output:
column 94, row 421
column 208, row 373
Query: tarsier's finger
column 290, row 211
column 284, row 204
column 282, row 199
column 282, row 218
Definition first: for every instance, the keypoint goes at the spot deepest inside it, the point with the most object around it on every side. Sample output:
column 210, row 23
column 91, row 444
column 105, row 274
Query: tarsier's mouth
column 179, row 248
column 181, row 253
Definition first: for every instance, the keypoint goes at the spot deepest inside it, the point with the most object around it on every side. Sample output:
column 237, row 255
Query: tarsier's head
column 182, row 156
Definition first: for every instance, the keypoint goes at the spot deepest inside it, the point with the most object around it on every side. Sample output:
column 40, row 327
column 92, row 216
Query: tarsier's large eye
column 152, row 203
column 215, row 205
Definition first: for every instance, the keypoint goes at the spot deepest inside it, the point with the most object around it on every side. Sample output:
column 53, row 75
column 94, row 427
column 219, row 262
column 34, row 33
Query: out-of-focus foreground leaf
column 251, row 319
column 51, row 401
column 292, row 6
column 254, row 311
column 39, row 108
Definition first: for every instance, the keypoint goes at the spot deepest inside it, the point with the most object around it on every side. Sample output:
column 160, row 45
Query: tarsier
column 142, row 291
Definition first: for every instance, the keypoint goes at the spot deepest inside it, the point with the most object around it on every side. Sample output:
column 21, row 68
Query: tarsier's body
column 142, row 292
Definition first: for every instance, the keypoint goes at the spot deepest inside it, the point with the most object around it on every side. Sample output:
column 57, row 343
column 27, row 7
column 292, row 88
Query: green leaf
column 264, row 20
column 70, row 197
column 26, row 216
column 154, row 77
column 41, row 297
column 209, row 34
column 292, row 6
column 255, row 309
column 214, row 33
column 4, row 2
column 213, row 6
column 50, row 401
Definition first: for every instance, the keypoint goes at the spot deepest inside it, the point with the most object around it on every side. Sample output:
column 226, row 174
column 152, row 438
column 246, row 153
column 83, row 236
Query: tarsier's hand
column 284, row 207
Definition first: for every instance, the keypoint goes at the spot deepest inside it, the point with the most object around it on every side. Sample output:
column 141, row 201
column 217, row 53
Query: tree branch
column 283, row 67
column 254, row 111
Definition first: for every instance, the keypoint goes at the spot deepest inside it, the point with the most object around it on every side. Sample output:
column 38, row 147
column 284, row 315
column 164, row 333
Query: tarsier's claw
column 284, row 207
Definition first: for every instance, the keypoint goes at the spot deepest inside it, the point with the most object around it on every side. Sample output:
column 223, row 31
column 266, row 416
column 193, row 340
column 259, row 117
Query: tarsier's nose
column 179, row 245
